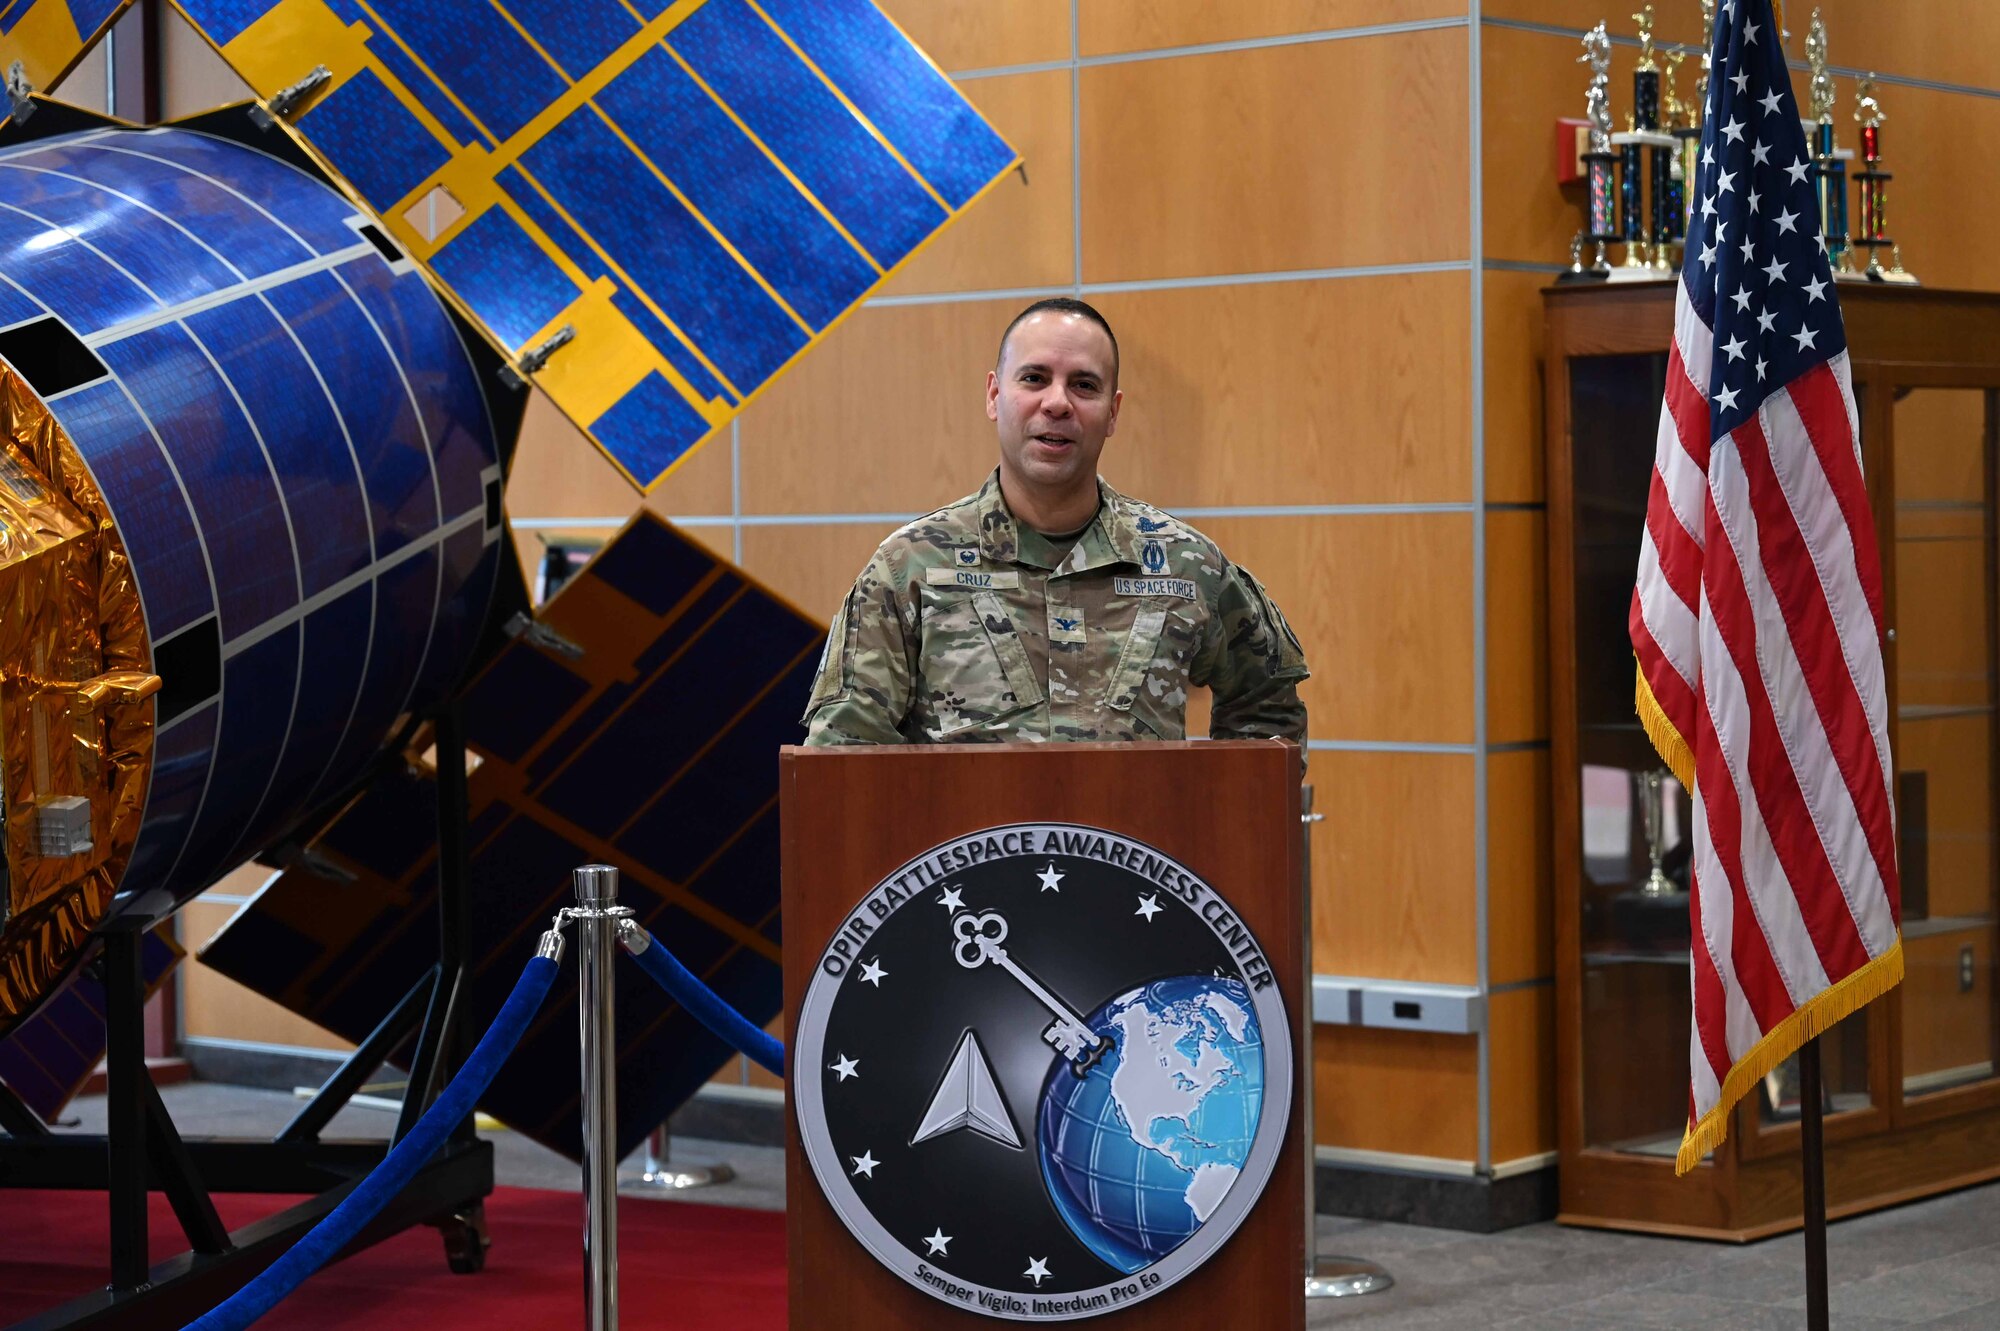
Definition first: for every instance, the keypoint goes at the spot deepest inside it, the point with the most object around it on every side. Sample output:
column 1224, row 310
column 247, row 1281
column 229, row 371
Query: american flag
column 1757, row 617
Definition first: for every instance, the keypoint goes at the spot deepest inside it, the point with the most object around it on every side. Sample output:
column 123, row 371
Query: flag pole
column 1812, row 1150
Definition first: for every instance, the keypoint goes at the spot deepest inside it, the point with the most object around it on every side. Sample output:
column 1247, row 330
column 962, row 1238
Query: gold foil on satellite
column 74, row 679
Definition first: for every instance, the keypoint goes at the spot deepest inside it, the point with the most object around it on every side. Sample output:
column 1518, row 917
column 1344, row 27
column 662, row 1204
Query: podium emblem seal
column 1042, row 1072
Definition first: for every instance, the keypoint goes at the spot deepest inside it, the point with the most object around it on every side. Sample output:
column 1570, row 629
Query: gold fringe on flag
column 1836, row 1001
column 1672, row 745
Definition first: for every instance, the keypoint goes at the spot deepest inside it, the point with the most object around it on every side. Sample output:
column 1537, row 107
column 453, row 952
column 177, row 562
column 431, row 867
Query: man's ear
column 1117, row 400
column 992, row 395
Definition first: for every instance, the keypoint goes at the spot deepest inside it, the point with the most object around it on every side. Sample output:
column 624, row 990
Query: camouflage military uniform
column 968, row 626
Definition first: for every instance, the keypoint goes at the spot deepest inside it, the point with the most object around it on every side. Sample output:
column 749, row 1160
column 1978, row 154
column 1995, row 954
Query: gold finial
column 1707, row 42
column 1644, row 18
column 1866, row 109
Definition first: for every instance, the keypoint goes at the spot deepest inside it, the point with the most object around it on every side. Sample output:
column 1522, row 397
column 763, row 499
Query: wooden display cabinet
column 1913, row 1103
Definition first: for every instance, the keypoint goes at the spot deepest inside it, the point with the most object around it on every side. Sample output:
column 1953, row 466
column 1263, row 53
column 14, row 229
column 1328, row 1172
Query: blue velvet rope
column 333, row 1233
column 686, row 988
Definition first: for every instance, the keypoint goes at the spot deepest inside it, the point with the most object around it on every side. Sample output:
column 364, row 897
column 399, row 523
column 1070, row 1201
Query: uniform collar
column 1113, row 536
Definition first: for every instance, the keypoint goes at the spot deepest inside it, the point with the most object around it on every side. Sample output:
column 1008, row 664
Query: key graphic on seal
column 978, row 940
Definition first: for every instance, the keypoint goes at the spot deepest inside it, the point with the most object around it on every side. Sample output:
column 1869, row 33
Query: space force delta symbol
column 1042, row 1072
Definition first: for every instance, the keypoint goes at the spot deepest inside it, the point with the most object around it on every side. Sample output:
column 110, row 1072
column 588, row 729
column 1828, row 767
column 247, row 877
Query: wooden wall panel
column 1520, row 871
column 1229, row 399
column 1393, row 866
column 1111, row 26
column 1320, row 155
column 1023, row 233
column 1521, row 1026
column 1955, row 755
column 1940, row 446
column 1383, row 606
column 1513, row 347
column 976, row 34
column 1411, row 1092
column 887, row 415
column 1674, row 21
column 1949, row 41
column 1517, row 626
column 812, row 566
column 1940, row 147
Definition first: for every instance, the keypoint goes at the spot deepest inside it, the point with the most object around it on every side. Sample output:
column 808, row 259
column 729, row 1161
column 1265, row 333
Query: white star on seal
column 872, row 973
column 938, row 1241
column 864, row 1164
column 1051, row 878
column 1038, row 1270
column 845, row 1066
column 1149, row 906
column 951, row 900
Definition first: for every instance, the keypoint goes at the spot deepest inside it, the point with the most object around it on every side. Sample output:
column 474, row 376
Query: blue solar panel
column 404, row 70
column 259, row 690
column 146, row 247
column 735, row 186
column 916, row 108
column 577, row 34
column 471, row 563
column 90, row 15
column 181, row 755
column 216, row 457
column 291, row 199
column 83, row 290
column 373, row 140
column 880, row 203
column 650, row 427
column 146, row 504
column 495, row 268
column 336, row 649
column 652, row 236
column 676, row 352
column 451, row 411
column 519, row 698
column 653, row 565
column 368, row 384
column 252, row 242
column 16, row 308
column 492, row 68
column 302, row 432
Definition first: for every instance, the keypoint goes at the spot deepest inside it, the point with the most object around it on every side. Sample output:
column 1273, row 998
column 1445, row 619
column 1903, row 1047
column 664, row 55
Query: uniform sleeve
column 862, row 692
column 1255, row 666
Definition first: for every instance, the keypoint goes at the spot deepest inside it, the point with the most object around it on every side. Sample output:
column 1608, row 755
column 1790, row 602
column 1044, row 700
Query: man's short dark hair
column 1063, row 305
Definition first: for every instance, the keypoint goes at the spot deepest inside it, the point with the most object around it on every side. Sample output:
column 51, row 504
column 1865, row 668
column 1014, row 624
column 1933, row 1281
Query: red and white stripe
column 1757, row 619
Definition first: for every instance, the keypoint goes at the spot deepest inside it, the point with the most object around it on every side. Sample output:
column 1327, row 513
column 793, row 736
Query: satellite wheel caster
column 466, row 1240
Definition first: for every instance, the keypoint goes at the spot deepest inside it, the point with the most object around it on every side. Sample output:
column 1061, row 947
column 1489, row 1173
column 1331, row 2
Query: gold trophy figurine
column 1829, row 168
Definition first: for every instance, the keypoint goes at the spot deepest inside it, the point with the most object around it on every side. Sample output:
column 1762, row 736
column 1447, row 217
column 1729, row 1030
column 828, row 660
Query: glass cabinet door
column 1942, row 684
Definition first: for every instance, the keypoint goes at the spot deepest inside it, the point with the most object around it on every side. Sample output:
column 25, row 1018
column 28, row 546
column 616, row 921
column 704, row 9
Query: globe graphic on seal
column 1141, row 1149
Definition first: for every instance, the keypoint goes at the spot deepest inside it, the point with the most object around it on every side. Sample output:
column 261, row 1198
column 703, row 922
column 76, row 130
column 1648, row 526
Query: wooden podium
column 1227, row 811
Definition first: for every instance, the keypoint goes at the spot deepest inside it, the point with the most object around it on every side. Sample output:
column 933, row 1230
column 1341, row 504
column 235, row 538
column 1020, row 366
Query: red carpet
column 682, row 1266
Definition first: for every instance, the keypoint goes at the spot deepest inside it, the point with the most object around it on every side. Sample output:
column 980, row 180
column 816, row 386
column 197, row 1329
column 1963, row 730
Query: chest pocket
column 976, row 668
column 1145, row 654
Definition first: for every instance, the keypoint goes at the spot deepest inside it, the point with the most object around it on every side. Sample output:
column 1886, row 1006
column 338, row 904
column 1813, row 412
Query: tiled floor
column 1933, row 1264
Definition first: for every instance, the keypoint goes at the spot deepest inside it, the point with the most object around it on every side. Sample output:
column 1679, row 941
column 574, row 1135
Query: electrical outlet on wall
column 1965, row 969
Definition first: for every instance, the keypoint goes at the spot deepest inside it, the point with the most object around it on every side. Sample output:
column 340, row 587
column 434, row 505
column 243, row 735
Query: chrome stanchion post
column 1326, row 1277
column 597, row 914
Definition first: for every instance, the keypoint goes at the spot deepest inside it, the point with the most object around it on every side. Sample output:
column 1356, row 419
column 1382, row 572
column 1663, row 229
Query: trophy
column 1599, row 160
column 1873, row 187
column 1646, row 228
column 1653, row 794
column 1829, row 168
column 1682, row 124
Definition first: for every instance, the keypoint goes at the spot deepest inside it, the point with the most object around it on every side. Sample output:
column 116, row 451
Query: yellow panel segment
column 46, row 43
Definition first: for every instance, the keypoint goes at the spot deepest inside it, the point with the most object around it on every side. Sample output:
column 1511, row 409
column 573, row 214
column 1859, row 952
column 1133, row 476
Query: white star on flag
column 1804, row 337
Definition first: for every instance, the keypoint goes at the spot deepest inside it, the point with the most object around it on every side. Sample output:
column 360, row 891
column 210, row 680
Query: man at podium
column 1047, row 606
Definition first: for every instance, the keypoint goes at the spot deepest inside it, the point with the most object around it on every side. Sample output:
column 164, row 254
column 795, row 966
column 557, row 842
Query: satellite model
column 260, row 378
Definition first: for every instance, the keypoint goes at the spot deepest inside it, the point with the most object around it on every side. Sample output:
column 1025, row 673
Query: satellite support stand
column 660, row 1175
